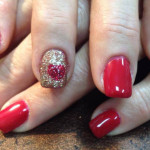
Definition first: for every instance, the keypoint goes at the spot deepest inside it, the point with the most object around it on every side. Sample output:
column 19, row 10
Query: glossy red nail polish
column 13, row 116
column 104, row 123
column 117, row 78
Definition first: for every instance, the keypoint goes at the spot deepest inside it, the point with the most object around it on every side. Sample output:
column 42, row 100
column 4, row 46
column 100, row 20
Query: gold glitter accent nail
column 53, row 69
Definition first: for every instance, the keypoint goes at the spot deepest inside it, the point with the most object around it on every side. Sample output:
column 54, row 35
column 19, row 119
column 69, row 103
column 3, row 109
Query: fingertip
column 13, row 116
column 104, row 123
column 54, row 40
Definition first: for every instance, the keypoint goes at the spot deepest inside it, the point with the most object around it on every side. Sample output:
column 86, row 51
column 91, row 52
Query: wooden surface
column 69, row 130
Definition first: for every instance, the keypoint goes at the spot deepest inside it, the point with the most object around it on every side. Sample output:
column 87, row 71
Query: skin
column 51, row 101
column 115, row 31
column 16, row 22
column 57, row 22
column 14, row 71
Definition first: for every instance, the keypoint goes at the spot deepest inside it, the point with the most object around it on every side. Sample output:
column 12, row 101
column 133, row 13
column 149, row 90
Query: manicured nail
column 13, row 116
column 117, row 78
column 53, row 69
column 104, row 123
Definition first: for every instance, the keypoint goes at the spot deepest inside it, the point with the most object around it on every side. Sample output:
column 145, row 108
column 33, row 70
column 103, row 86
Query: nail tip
column 93, row 133
column 104, row 123
column 127, row 95
column 52, row 87
column 13, row 116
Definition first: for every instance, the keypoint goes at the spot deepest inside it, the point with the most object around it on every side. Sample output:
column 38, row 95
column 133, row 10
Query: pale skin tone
column 12, row 67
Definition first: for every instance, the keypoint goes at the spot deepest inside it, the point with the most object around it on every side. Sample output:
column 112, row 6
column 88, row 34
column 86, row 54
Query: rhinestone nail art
column 53, row 69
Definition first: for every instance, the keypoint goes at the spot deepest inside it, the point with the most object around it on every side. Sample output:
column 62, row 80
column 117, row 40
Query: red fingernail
column 13, row 116
column 117, row 78
column 104, row 123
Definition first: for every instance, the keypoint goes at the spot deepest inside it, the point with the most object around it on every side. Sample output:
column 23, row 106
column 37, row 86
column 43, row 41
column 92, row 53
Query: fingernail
column 117, row 78
column 53, row 69
column 13, row 116
column 104, row 123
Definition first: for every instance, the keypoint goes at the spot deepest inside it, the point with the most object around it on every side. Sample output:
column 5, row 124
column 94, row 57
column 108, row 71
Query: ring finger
column 54, row 33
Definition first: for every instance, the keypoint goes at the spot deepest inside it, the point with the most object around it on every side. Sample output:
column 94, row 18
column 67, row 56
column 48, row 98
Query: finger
column 7, row 24
column 12, row 75
column 16, row 71
column 24, row 14
column 23, row 20
column 54, row 27
column 42, row 103
column 145, row 30
column 20, row 27
column 83, row 21
column 15, row 68
column 121, row 115
column 114, row 45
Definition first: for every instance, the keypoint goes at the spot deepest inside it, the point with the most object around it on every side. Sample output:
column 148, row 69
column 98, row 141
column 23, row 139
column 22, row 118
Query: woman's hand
column 118, row 34
column 34, row 105
column 28, row 105
column 25, row 104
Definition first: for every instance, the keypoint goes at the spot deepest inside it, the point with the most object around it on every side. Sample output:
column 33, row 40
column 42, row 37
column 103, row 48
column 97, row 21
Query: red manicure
column 104, row 123
column 117, row 78
column 13, row 116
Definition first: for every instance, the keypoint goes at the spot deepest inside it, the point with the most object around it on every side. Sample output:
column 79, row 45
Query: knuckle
column 121, row 24
column 54, row 17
